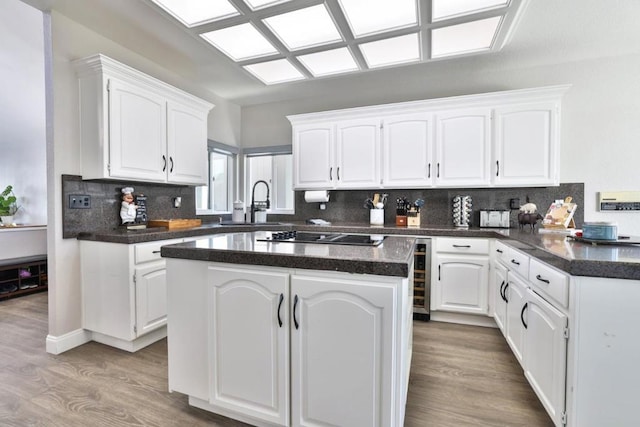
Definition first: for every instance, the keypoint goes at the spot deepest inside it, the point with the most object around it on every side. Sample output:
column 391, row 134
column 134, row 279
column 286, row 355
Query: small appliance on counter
column 462, row 211
column 494, row 218
column 601, row 230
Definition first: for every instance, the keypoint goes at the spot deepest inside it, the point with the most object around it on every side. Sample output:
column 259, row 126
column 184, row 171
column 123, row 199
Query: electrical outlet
column 79, row 201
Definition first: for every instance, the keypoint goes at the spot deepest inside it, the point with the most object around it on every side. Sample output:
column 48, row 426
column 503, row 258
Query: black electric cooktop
column 321, row 238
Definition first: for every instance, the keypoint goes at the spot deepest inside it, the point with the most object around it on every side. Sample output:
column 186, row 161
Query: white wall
column 22, row 110
column 600, row 113
column 72, row 41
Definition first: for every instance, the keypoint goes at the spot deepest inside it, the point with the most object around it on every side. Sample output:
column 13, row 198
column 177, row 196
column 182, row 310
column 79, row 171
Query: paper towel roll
column 316, row 196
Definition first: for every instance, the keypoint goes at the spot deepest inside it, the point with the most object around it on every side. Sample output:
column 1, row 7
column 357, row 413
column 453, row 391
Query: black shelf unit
column 23, row 276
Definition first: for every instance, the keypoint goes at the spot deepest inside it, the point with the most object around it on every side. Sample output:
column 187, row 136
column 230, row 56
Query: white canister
column 376, row 216
column 238, row 211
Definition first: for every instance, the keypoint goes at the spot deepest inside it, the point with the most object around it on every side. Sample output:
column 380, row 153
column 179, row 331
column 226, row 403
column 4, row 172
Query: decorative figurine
column 128, row 207
column 528, row 215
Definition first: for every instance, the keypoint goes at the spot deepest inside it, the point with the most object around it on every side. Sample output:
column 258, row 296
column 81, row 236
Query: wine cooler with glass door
column 422, row 279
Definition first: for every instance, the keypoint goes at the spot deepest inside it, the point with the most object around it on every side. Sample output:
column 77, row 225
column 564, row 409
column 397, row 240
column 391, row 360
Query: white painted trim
column 62, row 343
column 131, row 346
column 463, row 319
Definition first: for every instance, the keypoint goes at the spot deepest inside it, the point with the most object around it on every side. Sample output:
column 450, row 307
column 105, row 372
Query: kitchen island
column 276, row 333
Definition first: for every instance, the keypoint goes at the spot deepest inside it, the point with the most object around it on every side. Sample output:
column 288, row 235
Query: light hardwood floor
column 460, row 376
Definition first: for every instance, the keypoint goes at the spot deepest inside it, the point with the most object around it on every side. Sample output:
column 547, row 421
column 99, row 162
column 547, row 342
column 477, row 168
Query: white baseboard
column 57, row 345
column 463, row 319
column 131, row 346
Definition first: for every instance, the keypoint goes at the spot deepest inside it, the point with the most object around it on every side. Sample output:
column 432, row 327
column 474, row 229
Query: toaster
column 494, row 218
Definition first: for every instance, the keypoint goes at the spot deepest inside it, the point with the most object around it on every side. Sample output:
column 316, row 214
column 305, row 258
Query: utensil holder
column 376, row 216
column 413, row 218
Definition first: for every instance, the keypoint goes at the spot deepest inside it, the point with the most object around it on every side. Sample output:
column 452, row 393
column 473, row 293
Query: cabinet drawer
column 549, row 282
column 462, row 246
column 518, row 263
column 145, row 252
column 501, row 253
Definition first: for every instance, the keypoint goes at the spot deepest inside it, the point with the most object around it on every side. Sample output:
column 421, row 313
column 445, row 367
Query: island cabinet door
column 249, row 343
column 342, row 353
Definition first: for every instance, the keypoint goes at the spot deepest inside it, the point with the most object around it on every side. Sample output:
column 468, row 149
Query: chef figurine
column 128, row 208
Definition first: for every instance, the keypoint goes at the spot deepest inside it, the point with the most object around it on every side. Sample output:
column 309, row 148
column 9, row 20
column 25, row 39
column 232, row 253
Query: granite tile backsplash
column 106, row 198
column 348, row 206
column 345, row 206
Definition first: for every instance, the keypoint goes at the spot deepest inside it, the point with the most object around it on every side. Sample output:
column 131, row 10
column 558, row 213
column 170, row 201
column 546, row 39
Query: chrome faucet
column 264, row 203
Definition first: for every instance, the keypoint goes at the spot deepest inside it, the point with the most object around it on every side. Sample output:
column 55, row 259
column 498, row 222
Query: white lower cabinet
column 460, row 276
column 535, row 328
column 249, row 337
column 545, row 353
column 515, row 293
column 348, row 363
column 499, row 297
column 124, row 293
column 338, row 353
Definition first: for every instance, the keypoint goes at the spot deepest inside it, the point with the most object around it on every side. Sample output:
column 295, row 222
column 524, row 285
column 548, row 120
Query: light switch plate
column 79, row 201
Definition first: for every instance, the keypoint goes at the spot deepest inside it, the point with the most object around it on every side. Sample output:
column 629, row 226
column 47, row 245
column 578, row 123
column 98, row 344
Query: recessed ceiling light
column 240, row 42
column 464, row 38
column 278, row 71
column 391, row 51
column 311, row 26
column 257, row 4
column 374, row 16
column 443, row 9
column 196, row 12
column 327, row 62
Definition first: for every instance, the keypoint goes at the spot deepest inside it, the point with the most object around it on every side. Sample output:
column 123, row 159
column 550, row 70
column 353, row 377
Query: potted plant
column 8, row 205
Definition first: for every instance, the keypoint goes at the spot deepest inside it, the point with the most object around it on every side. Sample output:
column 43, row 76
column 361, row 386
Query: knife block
column 401, row 221
column 413, row 218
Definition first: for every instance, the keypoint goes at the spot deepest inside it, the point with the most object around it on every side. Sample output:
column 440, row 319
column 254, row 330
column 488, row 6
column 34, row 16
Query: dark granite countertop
column 391, row 258
column 575, row 258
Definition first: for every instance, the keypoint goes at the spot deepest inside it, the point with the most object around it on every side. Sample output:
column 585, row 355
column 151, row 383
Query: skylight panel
column 272, row 72
column 240, row 42
column 329, row 62
column 374, row 16
column 391, row 51
column 311, row 26
column 443, row 9
column 196, row 12
column 464, row 38
column 258, row 4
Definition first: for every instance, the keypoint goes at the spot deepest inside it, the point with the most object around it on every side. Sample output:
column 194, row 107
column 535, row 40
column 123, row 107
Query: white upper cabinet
column 526, row 144
column 313, row 147
column 134, row 127
column 137, row 132
column 357, row 154
column 186, row 128
column 507, row 138
column 463, row 147
column 407, row 151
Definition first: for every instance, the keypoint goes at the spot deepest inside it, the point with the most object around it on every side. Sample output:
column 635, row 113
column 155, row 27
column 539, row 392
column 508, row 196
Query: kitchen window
column 217, row 196
column 273, row 165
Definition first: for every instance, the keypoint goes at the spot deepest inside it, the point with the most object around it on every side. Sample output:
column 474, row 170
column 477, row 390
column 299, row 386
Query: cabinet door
column 545, row 356
column 516, row 299
column 407, row 151
column 137, row 133
column 463, row 148
column 313, row 156
column 186, row 145
column 499, row 298
column 461, row 284
column 151, row 297
column 358, row 154
column 526, row 141
column 249, row 343
column 341, row 352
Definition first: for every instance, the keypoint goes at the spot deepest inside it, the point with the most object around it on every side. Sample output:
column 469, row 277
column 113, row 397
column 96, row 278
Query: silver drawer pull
column 541, row 279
